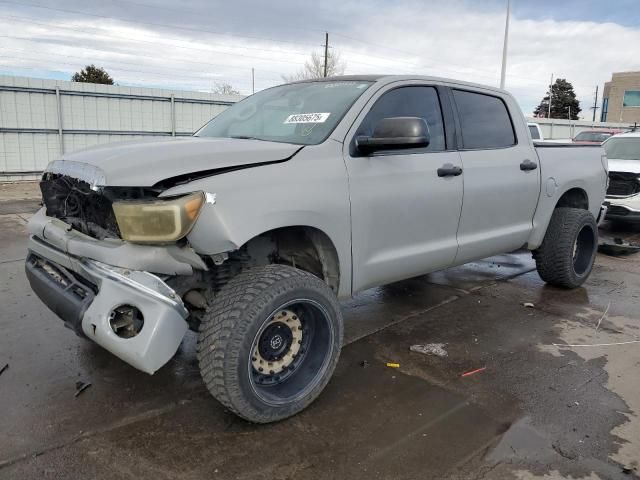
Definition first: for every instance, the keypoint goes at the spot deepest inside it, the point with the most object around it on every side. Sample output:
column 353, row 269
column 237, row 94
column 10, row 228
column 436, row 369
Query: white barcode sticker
column 307, row 118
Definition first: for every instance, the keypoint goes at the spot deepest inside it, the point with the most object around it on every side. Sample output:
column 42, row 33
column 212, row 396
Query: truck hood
column 146, row 163
column 631, row 166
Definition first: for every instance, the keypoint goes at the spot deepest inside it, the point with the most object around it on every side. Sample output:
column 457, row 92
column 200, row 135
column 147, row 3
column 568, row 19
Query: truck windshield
column 300, row 113
column 622, row 148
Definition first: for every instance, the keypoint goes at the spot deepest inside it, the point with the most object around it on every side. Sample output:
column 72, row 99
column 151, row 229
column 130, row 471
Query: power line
column 202, row 79
column 127, row 54
column 14, row 67
column 198, row 13
column 135, row 40
column 466, row 71
column 155, row 43
column 488, row 75
column 155, row 24
column 112, row 66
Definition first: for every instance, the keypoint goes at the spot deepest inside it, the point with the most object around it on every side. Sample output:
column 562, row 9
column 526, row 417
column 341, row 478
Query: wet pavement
column 537, row 408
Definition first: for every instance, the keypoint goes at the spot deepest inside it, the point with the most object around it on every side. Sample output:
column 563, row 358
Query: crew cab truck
column 251, row 230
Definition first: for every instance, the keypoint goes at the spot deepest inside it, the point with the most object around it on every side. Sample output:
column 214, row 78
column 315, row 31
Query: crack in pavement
column 84, row 435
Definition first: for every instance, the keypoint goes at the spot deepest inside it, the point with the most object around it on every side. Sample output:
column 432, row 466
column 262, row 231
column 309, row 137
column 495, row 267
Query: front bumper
column 85, row 292
column 625, row 208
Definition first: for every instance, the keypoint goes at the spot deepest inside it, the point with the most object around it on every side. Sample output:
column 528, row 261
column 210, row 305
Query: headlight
column 158, row 221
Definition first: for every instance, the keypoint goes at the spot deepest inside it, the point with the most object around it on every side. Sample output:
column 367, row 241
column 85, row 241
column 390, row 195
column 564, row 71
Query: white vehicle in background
column 623, row 193
column 535, row 131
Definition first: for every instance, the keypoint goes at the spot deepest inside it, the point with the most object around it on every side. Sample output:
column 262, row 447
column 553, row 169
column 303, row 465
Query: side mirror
column 395, row 133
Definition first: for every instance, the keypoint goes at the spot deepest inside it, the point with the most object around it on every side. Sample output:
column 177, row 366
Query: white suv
column 623, row 193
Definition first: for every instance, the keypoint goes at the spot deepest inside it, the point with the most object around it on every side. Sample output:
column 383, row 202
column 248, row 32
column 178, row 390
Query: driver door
column 404, row 212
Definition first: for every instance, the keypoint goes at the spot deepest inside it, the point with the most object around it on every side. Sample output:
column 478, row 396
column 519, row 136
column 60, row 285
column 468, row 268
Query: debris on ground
column 393, row 365
column 364, row 364
column 436, row 349
column 617, row 246
column 4, row 368
column 473, row 372
column 81, row 387
column 603, row 315
column 528, row 305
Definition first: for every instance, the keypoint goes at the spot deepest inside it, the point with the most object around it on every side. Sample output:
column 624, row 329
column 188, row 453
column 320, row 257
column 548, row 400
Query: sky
column 195, row 44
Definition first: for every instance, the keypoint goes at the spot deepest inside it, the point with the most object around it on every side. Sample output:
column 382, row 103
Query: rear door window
column 484, row 120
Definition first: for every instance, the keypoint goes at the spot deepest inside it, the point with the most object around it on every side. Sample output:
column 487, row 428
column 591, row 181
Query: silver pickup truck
column 251, row 230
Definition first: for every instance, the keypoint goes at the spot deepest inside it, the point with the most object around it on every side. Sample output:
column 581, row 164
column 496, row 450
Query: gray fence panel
column 40, row 119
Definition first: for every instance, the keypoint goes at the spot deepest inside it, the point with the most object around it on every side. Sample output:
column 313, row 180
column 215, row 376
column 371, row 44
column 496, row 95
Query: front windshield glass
column 592, row 137
column 301, row 113
column 623, row 148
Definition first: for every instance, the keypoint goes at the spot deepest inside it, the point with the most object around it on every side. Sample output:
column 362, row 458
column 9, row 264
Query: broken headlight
column 158, row 221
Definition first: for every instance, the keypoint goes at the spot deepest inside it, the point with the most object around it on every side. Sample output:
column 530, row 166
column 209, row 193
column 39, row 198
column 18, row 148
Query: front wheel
column 270, row 342
column 567, row 253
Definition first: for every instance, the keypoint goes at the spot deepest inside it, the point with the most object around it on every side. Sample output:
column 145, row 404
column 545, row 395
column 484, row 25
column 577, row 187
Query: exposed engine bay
column 623, row 184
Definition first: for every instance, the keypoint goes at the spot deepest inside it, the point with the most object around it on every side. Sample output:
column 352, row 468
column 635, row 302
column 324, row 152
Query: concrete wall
column 40, row 119
column 557, row 129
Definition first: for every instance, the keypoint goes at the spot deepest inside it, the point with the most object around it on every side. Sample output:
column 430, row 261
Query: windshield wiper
column 245, row 137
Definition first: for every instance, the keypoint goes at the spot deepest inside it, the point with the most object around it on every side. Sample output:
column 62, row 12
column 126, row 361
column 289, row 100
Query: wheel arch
column 302, row 246
column 575, row 197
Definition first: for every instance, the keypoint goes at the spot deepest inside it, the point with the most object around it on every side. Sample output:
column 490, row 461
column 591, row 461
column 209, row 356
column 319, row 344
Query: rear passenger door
column 404, row 211
column 501, row 178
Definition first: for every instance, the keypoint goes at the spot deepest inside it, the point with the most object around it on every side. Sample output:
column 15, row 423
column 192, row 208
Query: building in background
column 621, row 98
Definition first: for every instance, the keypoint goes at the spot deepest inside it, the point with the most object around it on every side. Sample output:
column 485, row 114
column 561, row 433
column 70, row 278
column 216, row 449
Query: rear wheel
column 270, row 342
column 567, row 253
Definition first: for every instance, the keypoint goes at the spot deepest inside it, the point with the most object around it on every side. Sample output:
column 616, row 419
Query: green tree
column 563, row 102
column 92, row 74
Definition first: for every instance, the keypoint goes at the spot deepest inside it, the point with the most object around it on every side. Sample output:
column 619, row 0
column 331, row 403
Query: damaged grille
column 86, row 210
column 623, row 184
column 74, row 202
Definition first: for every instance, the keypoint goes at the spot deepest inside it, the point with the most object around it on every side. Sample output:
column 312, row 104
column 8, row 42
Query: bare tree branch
column 314, row 67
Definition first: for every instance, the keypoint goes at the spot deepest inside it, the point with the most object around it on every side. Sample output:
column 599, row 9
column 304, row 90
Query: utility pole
column 253, row 81
column 504, row 46
column 326, row 51
column 550, row 96
column 595, row 105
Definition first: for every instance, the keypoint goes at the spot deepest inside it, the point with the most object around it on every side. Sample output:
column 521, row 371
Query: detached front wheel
column 568, row 251
column 270, row 342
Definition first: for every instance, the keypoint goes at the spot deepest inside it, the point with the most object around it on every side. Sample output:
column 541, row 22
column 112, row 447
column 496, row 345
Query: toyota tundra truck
column 250, row 231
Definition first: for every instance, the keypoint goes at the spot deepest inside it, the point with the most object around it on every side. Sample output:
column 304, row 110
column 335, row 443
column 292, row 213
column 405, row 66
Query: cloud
column 198, row 43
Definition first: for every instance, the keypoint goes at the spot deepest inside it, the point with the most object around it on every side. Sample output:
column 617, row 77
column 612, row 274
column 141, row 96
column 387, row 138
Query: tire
column 567, row 253
column 277, row 317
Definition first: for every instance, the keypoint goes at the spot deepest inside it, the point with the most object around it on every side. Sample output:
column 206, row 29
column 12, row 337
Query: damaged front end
column 113, row 263
column 623, row 197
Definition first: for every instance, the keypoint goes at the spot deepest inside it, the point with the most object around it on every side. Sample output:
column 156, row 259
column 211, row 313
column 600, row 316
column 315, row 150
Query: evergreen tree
column 563, row 101
column 92, row 74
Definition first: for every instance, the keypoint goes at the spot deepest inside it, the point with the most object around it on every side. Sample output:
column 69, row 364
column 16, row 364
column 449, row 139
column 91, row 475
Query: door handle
column 449, row 170
column 528, row 165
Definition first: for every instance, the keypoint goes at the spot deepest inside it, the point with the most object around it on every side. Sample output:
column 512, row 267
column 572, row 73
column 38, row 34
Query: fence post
column 173, row 115
column 59, row 109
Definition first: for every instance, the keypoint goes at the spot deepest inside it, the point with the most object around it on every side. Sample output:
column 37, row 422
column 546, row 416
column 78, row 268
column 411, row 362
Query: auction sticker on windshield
column 307, row 118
